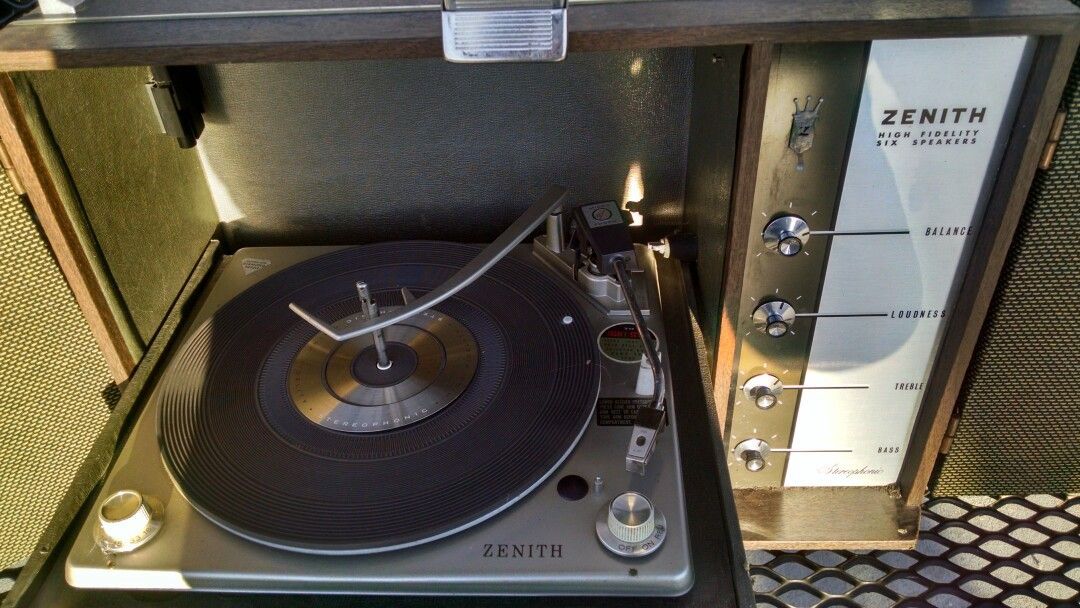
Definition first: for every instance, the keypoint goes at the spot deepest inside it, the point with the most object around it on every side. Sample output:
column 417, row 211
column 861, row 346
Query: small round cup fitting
column 127, row 520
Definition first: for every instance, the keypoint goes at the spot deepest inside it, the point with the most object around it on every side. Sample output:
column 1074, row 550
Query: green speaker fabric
column 146, row 201
column 55, row 388
column 1020, row 405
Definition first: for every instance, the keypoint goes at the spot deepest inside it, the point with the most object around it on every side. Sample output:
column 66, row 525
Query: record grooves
column 245, row 457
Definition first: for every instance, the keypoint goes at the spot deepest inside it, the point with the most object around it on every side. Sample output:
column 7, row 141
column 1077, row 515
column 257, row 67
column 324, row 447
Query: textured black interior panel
column 709, row 175
column 1020, row 405
column 365, row 151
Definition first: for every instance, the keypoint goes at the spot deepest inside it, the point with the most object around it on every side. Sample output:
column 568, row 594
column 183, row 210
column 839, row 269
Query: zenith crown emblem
column 802, row 129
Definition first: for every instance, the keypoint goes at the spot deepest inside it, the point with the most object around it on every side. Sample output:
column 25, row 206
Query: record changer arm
column 497, row 250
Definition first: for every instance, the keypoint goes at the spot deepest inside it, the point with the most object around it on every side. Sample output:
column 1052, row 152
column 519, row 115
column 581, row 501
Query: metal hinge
column 1052, row 140
column 483, row 31
column 950, row 434
column 9, row 170
column 176, row 94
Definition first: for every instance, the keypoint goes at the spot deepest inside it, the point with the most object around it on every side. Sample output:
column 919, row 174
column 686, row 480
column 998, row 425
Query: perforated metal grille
column 1020, row 406
column 972, row 551
column 54, row 384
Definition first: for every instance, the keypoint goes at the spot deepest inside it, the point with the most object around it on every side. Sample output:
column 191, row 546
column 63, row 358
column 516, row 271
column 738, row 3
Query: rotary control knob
column 630, row 526
column 774, row 318
column 631, row 518
column 127, row 520
column 764, row 390
column 786, row 235
column 754, row 453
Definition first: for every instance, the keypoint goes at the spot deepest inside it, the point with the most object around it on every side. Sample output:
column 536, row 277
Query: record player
column 409, row 418
column 272, row 383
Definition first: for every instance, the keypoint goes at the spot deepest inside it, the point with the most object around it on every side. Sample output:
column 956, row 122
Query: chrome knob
column 630, row 517
column 786, row 235
column 764, row 390
column 127, row 520
column 630, row 526
column 774, row 318
column 755, row 461
column 754, row 453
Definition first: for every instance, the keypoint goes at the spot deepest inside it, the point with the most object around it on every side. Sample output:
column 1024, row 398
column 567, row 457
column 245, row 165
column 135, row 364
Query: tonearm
column 600, row 240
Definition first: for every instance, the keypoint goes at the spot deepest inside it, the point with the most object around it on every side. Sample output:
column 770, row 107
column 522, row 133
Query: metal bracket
column 176, row 94
column 10, row 171
column 801, row 138
column 1052, row 139
column 484, row 31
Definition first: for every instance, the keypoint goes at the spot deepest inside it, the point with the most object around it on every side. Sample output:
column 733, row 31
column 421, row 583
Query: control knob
column 754, row 453
column 764, row 390
column 630, row 526
column 786, row 235
column 774, row 318
column 630, row 517
column 127, row 520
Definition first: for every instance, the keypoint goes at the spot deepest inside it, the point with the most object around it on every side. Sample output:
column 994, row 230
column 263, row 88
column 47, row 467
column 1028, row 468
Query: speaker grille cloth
column 55, row 388
column 1020, row 405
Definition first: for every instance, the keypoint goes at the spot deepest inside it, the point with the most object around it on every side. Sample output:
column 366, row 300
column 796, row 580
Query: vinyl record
column 512, row 356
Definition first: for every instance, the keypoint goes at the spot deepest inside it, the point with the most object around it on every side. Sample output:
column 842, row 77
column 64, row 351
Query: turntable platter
column 490, row 395
column 340, row 386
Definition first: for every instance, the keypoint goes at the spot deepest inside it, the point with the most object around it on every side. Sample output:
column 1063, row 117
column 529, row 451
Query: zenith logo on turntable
column 523, row 551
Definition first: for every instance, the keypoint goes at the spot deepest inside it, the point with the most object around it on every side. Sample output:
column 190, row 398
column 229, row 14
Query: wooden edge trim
column 1046, row 80
column 849, row 518
column 830, row 545
column 758, row 65
column 61, row 234
column 411, row 34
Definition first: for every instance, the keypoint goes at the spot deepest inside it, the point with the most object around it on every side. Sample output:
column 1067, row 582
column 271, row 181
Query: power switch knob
column 629, row 526
column 631, row 518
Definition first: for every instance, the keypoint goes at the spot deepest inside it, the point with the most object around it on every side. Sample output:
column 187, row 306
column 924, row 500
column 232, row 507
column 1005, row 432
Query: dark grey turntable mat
column 243, row 455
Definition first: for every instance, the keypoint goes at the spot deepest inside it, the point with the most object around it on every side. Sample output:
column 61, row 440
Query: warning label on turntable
column 618, row 411
column 251, row 265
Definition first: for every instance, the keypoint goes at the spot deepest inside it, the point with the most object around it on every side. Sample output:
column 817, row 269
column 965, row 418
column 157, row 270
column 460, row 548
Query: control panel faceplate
column 858, row 249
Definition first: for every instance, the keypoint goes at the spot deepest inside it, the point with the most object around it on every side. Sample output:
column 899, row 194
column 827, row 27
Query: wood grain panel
column 62, row 234
column 805, row 519
column 591, row 26
column 758, row 63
